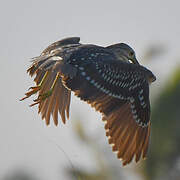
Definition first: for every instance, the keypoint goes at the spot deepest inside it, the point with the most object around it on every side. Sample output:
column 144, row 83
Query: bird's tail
column 53, row 97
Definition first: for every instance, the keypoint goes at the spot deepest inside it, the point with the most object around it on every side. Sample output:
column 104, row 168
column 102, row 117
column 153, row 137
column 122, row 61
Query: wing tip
column 131, row 141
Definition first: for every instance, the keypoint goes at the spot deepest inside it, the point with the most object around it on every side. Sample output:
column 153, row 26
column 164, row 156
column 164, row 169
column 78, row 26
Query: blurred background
column 79, row 150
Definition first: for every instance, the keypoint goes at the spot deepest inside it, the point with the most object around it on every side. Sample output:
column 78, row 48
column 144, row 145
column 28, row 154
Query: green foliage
column 105, row 171
column 165, row 140
column 83, row 175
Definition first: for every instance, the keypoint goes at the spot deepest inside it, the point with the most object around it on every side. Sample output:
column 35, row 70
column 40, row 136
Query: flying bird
column 110, row 79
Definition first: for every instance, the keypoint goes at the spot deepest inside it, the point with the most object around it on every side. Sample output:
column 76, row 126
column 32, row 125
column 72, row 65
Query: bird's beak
column 135, row 61
column 153, row 78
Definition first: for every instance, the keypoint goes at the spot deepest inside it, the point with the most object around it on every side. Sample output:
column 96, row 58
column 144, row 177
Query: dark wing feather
column 119, row 91
column 59, row 44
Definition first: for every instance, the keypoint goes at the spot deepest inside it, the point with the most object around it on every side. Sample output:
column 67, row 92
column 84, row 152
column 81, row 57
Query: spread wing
column 120, row 92
column 45, row 68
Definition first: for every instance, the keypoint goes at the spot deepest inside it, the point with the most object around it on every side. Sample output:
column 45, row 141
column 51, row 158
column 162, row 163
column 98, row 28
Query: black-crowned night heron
column 110, row 79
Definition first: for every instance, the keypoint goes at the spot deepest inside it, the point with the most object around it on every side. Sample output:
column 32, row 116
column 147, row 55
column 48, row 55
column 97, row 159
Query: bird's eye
column 131, row 54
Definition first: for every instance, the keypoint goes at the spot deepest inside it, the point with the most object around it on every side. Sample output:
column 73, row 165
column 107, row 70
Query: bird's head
column 124, row 52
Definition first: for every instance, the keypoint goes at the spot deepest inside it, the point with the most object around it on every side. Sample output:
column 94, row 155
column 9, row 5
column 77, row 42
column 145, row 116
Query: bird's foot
column 32, row 90
column 35, row 89
column 42, row 97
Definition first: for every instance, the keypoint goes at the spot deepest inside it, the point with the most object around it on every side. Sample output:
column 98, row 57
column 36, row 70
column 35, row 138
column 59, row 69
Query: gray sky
column 27, row 27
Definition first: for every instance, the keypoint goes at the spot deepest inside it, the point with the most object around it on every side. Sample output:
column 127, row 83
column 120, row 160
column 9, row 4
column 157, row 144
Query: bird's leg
column 35, row 89
column 38, row 87
column 48, row 93
column 45, row 95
